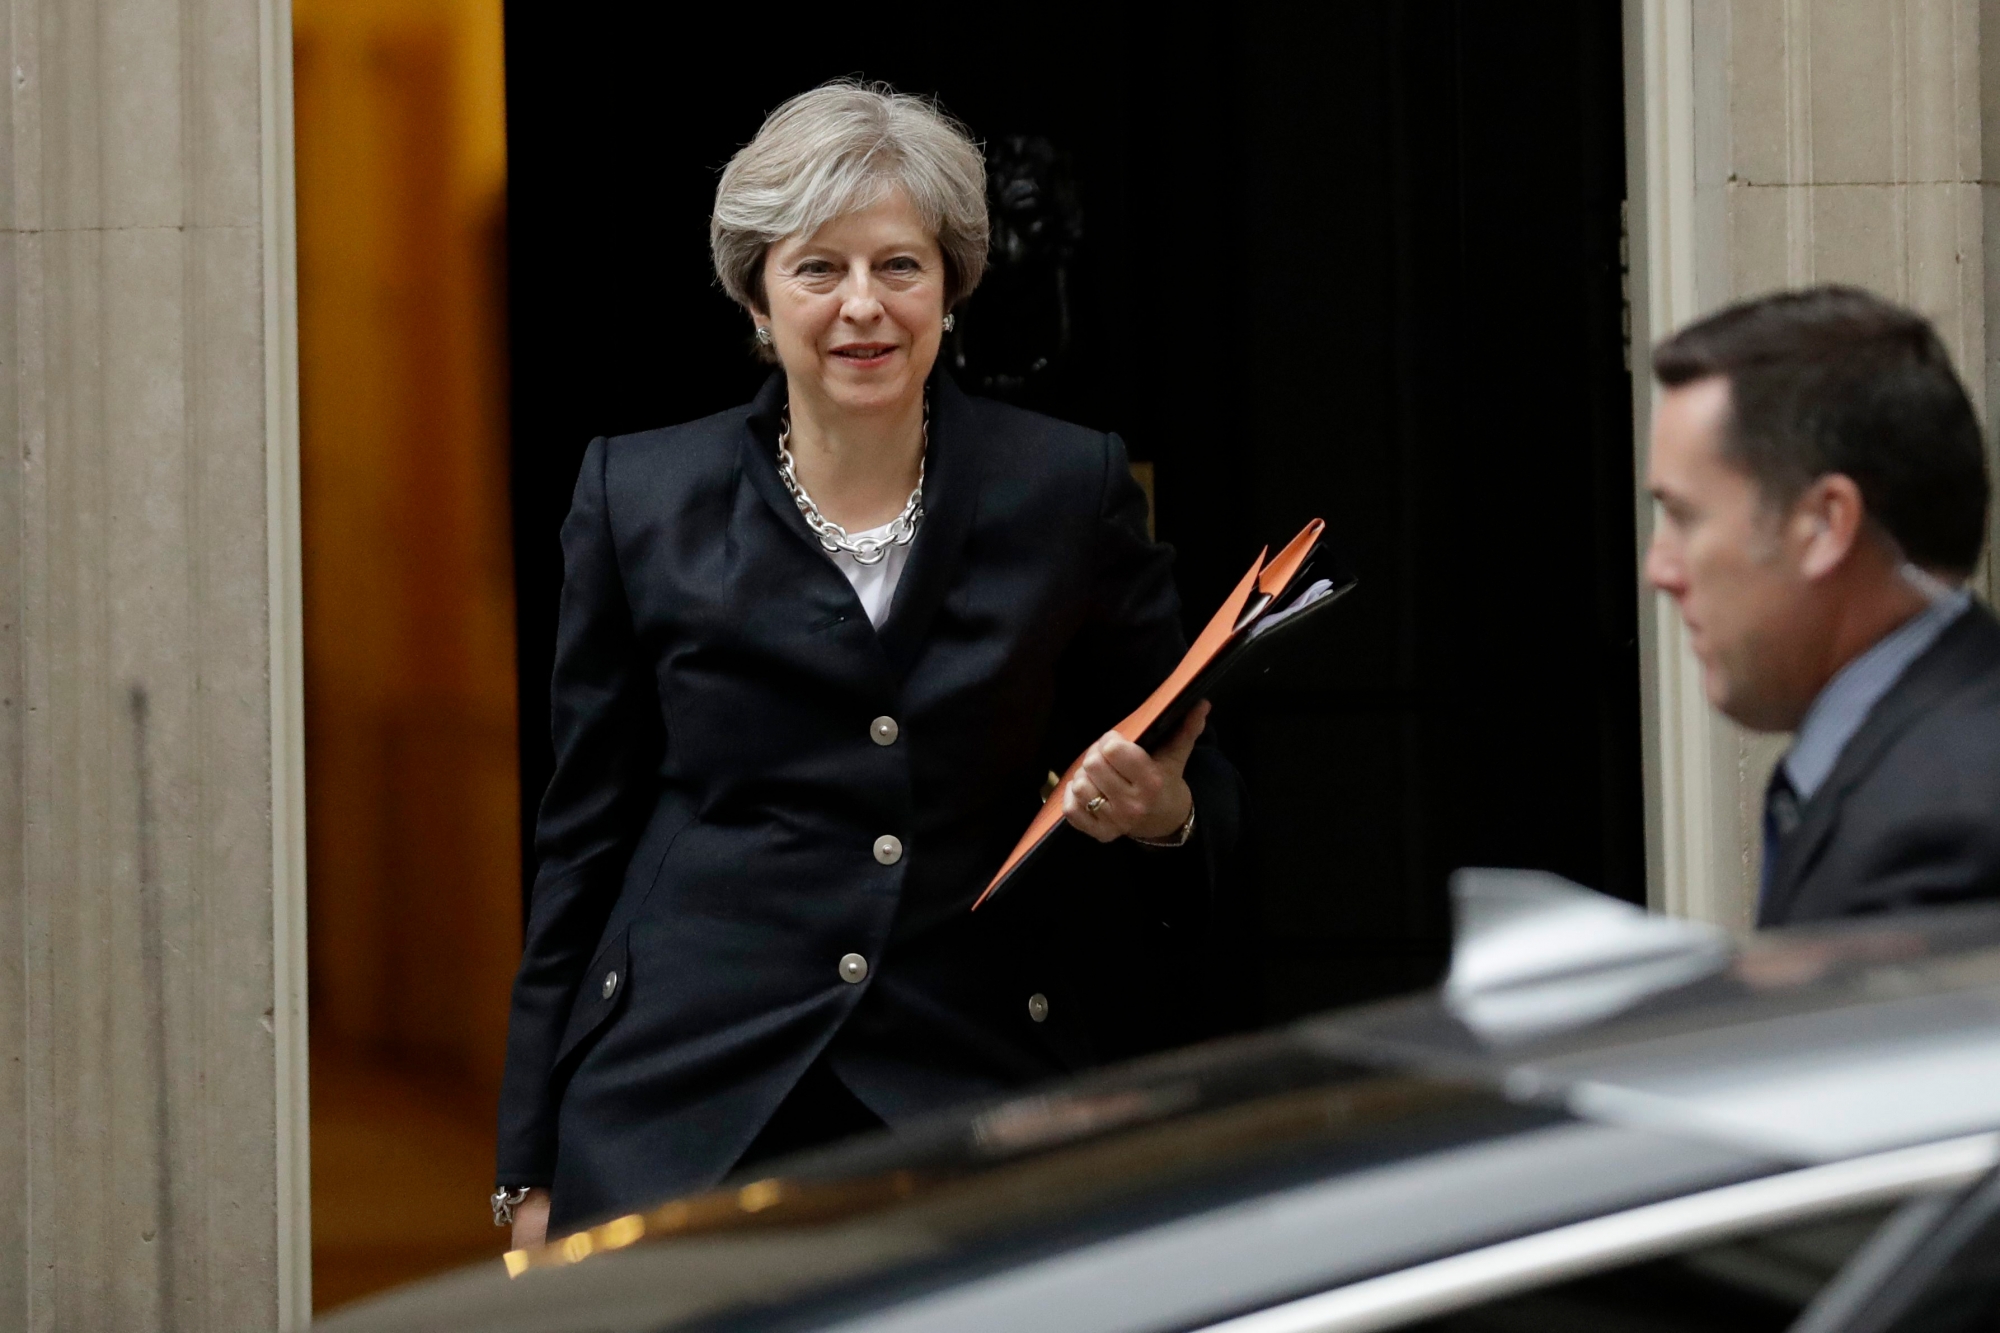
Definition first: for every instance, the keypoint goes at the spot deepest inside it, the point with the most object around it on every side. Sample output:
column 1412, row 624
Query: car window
column 1963, row 1295
column 1759, row 1283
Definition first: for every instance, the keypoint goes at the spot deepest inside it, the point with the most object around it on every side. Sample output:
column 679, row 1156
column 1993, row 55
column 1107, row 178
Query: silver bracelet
column 1178, row 838
column 505, row 1201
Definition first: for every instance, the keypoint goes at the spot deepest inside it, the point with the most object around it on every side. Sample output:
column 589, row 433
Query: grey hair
column 838, row 149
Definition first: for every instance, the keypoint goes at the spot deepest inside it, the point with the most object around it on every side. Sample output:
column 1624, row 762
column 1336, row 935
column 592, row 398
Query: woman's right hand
column 531, row 1220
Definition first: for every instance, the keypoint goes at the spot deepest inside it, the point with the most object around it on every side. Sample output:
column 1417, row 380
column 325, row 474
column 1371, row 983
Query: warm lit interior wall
column 412, row 840
column 408, row 580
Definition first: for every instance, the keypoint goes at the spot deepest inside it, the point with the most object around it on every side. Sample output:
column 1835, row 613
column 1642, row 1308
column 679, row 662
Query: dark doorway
column 1359, row 261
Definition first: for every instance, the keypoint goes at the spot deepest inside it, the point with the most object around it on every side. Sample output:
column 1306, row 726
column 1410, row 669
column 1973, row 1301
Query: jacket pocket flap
column 598, row 995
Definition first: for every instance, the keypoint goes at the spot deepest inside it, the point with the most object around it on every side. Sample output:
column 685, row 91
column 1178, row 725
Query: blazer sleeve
column 1133, row 641
column 1145, row 934
column 605, row 722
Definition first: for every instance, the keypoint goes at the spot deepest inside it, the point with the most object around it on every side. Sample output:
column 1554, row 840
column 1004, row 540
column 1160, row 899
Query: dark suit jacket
column 706, row 843
column 1910, row 815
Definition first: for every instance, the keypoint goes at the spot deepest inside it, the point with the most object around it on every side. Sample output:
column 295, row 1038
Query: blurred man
column 1822, row 488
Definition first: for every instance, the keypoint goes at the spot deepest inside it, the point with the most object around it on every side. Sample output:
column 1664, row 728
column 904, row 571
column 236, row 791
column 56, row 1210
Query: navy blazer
column 1910, row 815
column 708, row 843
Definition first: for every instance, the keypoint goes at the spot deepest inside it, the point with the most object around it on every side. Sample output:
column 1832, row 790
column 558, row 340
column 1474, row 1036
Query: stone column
column 152, row 1077
column 1778, row 143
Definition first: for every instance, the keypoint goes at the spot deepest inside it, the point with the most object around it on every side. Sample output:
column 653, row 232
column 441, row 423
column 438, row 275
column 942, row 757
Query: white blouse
column 874, row 584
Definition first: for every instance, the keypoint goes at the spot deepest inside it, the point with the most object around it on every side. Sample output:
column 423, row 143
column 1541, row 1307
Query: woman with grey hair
column 815, row 658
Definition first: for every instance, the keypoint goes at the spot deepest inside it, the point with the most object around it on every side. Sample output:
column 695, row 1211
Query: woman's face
column 856, row 308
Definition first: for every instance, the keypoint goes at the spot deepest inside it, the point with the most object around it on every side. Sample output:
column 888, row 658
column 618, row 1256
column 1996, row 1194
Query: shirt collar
column 1844, row 704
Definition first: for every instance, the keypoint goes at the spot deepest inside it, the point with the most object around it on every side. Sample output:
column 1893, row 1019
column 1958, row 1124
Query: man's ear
column 1831, row 513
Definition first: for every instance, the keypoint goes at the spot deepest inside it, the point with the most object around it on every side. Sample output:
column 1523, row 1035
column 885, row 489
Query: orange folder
column 1265, row 591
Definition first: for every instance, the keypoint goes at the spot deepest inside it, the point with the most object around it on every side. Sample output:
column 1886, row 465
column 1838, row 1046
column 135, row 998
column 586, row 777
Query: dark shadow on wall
column 1360, row 261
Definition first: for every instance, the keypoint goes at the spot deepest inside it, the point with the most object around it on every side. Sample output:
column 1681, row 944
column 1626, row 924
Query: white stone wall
column 151, row 1149
column 1847, row 149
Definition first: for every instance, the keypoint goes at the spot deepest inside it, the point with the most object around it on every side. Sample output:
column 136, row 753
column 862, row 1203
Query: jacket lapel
column 953, row 471
column 1967, row 649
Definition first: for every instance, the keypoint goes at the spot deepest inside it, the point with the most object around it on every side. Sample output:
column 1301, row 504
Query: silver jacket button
column 853, row 969
column 888, row 849
column 610, row 984
column 883, row 731
column 1038, row 1007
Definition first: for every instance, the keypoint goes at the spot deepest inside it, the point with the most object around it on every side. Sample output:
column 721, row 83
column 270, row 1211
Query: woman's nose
column 860, row 302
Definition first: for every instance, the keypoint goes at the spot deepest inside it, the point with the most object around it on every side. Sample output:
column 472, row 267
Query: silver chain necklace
column 832, row 537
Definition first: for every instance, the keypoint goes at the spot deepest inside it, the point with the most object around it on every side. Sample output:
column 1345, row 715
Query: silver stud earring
column 949, row 321
column 763, row 336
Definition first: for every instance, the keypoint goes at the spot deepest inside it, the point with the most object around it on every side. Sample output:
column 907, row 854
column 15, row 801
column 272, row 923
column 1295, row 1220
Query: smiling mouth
column 870, row 352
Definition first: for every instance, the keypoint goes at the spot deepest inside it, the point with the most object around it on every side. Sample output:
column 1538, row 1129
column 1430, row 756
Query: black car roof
column 1485, row 1122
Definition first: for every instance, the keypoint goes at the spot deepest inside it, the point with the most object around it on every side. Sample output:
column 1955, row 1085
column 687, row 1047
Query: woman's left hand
column 1145, row 795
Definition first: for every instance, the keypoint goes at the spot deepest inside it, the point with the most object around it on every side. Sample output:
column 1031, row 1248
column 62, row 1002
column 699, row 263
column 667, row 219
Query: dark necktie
column 1781, row 817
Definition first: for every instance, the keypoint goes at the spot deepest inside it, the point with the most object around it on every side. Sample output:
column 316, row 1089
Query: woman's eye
column 904, row 264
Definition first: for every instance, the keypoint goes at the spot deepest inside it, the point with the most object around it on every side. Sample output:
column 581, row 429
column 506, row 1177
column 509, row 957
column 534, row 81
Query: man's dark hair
column 1833, row 379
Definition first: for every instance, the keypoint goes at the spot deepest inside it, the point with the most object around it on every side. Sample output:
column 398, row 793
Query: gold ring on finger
column 1094, row 804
